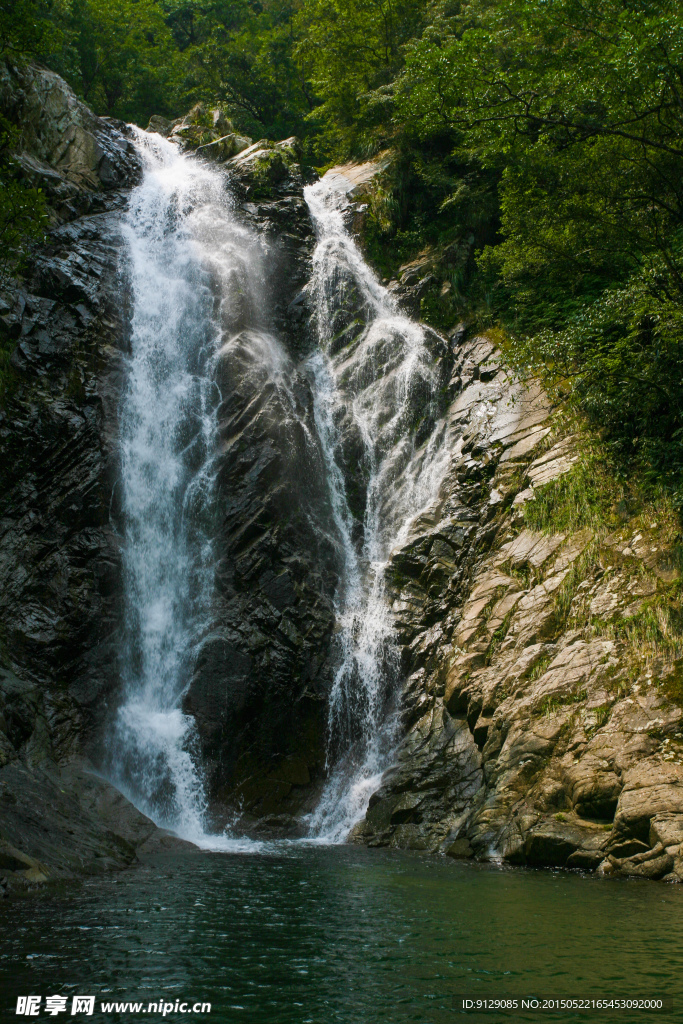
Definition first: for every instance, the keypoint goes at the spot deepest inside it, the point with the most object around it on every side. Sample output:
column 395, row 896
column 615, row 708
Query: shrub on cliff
column 23, row 215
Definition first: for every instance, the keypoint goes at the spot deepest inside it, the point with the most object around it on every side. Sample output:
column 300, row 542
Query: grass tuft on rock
column 588, row 496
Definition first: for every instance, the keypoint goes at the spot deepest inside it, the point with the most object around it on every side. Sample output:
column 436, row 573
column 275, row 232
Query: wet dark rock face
column 65, row 325
column 283, row 220
column 259, row 690
column 58, row 551
column 261, row 679
column 262, row 676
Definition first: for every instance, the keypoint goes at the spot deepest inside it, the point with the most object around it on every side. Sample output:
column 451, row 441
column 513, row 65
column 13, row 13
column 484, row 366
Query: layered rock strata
column 532, row 734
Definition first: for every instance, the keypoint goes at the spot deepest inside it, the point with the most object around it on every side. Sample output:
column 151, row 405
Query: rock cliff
column 64, row 327
column 533, row 728
column 263, row 673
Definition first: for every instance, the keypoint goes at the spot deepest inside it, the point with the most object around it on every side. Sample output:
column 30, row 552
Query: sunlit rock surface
column 524, row 739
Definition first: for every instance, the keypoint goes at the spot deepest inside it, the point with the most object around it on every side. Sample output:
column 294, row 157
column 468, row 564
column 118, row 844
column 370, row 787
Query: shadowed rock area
column 262, row 675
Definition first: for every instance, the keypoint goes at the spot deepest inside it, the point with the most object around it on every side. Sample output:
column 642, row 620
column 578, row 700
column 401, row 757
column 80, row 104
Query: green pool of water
column 338, row 934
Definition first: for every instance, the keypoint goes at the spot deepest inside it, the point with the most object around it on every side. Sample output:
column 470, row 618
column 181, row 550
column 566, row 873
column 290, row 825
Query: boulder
column 654, row 863
column 65, row 822
column 160, row 125
column 652, row 793
column 223, row 148
column 63, row 146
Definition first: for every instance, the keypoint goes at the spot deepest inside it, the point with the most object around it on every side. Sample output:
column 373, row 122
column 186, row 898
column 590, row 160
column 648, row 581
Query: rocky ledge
column 70, row 822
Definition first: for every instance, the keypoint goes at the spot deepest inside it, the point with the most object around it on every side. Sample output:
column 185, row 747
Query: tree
column 352, row 50
column 127, row 61
column 242, row 56
column 578, row 105
column 32, row 28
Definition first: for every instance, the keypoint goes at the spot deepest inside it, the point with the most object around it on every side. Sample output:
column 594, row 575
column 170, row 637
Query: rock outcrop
column 76, row 158
column 209, row 132
column 533, row 732
column 58, row 823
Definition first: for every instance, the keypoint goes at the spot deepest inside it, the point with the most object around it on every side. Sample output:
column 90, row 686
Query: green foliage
column 133, row 58
column 23, row 219
column 351, row 52
column 602, row 713
column 577, row 107
column 241, row 55
column 672, row 684
column 581, row 568
column 31, row 27
column 621, row 358
column 498, row 638
column 539, row 668
column 655, row 631
column 119, row 57
column 124, row 56
column 432, row 197
column 552, row 704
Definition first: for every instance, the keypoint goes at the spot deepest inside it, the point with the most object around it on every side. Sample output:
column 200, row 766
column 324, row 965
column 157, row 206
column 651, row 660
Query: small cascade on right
column 377, row 389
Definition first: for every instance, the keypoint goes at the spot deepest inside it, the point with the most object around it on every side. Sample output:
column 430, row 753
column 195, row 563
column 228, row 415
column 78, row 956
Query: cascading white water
column 194, row 273
column 377, row 376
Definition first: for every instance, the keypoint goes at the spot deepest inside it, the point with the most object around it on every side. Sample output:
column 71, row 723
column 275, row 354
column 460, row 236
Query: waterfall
column 196, row 279
column 193, row 274
column 376, row 394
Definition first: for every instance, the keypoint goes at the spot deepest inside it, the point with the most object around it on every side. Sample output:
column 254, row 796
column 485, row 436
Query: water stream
column 194, row 274
column 375, row 388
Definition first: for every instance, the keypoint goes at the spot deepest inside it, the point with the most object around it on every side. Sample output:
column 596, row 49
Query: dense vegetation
column 537, row 156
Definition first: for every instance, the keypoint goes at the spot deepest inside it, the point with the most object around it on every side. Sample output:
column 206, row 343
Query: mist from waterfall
column 193, row 274
column 374, row 379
